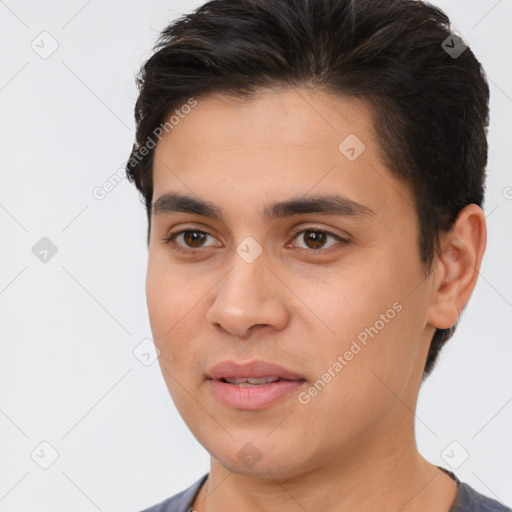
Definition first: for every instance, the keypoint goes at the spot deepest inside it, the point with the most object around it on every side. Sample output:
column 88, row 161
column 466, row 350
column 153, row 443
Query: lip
column 233, row 370
column 252, row 397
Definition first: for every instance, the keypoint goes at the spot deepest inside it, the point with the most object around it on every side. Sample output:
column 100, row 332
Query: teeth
column 250, row 381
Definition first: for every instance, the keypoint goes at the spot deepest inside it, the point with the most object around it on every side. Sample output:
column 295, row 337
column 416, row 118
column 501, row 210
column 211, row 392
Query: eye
column 315, row 239
column 188, row 239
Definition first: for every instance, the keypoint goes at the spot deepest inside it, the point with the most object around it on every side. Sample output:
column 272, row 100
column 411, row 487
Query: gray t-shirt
column 466, row 500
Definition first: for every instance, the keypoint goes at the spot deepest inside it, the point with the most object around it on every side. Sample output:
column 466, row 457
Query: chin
column 253, row 458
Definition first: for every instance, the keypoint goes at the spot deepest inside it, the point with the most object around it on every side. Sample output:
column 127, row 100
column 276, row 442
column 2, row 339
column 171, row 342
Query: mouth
column 253, row 381
column 251, row 372
column 254, row 385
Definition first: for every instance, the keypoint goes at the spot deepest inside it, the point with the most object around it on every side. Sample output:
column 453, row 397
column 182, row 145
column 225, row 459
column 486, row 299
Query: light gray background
column 68, row 327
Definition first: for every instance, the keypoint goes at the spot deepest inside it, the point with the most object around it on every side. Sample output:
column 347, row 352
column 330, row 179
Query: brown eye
column 194, row 238
column 189, row 239
column 314, row 239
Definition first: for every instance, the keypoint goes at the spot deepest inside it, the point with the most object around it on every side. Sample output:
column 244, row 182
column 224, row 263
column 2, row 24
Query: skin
column 352, row 447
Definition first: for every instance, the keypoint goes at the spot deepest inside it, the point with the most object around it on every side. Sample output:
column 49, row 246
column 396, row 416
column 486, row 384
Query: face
column 299, row 249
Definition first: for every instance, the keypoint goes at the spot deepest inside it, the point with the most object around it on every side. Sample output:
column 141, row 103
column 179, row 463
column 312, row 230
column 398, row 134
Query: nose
column 248, row 296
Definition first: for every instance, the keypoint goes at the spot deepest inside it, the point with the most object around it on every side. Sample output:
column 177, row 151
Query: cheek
column 362, row 368
column 170, row 316
column 347, row 305
column 170, row 301
column 369, row 321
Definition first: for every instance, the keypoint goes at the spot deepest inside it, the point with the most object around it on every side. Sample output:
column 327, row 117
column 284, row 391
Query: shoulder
column 180, row 502
column 469, row 500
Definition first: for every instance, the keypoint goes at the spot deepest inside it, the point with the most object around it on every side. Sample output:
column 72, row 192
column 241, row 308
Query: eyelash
column 170, row 240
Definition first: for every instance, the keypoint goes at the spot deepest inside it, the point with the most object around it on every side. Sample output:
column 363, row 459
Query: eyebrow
column 173, row 202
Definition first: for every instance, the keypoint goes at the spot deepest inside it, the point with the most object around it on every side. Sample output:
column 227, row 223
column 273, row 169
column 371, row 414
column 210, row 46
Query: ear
column 456, row 273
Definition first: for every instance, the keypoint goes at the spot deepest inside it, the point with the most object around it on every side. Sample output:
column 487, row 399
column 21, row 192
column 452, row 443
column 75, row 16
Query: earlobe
column 457, row 268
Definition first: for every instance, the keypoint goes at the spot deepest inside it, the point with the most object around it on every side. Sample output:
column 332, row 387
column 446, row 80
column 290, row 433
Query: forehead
column 290, row 141
column 297, row 117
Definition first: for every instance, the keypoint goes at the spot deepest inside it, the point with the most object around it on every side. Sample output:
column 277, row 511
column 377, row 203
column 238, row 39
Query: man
column 313, row 173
